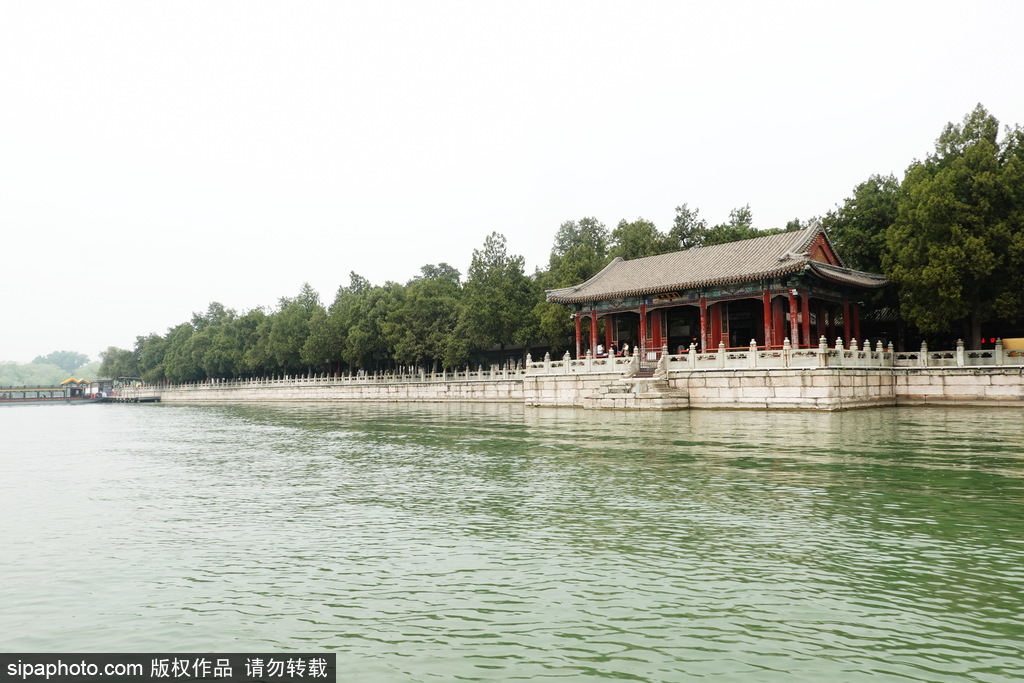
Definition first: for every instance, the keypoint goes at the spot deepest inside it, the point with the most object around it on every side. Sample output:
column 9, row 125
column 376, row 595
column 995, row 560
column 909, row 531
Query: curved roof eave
column 693, row 284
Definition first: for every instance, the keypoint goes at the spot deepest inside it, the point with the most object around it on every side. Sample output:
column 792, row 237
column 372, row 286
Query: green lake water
column 500, row 543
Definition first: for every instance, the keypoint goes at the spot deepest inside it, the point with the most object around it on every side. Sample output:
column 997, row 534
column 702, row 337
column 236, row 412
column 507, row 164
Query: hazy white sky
column 157, row 156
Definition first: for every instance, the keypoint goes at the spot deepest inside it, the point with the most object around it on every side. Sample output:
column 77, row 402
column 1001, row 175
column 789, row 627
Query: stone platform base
column 829, row 388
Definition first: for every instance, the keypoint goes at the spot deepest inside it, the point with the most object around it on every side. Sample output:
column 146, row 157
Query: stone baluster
column 662, row 370
column 959, row 353
column 922, row 359
column 998, row 358
column 691, row 357
column 822, row 352
column 787, row 349
column 721, row 354
column 566, row 362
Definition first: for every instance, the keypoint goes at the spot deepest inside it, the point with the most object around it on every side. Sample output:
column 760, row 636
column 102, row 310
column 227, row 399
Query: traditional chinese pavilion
column 789, row 285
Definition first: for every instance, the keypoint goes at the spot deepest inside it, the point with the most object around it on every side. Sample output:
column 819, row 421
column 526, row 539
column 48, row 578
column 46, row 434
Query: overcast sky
column 157, row 156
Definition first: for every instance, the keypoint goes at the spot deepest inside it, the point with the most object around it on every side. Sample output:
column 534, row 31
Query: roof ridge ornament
column 795, row 255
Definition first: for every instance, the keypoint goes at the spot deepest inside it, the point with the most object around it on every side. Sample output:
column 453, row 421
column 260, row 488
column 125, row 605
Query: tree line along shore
column 949, row 236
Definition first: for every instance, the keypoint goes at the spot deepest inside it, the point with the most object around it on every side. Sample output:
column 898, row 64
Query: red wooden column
column 794, row 326
column 593, row 334
column 642, row 344
column 778, row 320
column 766, row 303
column 846, row 322
column 703, row 324
column 656, row 329
column 716, row 324
column 579, row 333
column 609, row 332
column 805, row 299
column 856, row 324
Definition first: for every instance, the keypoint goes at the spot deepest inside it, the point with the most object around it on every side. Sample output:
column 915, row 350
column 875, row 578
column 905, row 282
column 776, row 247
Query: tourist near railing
column 661, row 362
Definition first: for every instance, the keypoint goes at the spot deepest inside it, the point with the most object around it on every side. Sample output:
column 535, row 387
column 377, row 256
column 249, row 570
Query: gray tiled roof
column 752, row 259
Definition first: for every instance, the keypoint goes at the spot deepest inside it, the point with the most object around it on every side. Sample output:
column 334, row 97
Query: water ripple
column 498, row 543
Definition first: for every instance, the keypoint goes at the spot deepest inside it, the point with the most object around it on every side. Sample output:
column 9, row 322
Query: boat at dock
column 70, row 391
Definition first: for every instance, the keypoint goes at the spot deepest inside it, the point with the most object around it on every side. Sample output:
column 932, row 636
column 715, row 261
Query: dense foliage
column 950, row 235
column 42, row 374
column 68, row 361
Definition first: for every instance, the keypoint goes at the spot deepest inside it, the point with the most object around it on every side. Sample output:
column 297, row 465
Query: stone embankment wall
column 777, row 388
column 814, row 389
column 977, row 386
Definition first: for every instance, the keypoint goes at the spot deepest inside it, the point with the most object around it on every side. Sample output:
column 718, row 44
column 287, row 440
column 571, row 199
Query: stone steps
column 637, row 393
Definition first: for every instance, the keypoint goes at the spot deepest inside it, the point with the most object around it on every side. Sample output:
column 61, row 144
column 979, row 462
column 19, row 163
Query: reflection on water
column 496, row 542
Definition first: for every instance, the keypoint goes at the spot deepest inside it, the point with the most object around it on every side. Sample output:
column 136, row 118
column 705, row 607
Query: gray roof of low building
column 752, row 259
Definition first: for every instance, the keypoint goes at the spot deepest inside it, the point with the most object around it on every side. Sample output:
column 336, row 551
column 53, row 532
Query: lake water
column 500, row 543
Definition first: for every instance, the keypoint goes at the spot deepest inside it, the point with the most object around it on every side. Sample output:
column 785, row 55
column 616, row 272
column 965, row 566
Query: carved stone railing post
column 752, row 354
column 959, row 353
column 691, row 357
column 923, row 358
column 998, row 357
column 566, row 362
column 822, row 352
column 787, row 349
column 662, row 370
column 721, row 354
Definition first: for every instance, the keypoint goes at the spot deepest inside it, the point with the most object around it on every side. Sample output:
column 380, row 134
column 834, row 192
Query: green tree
column 68, row 361
column 638, row 239
column 216, row 314
column 858, row 227
column 422, row 327
column 367, row 312
column 688, row 229
column 497, row 302
column 341, row 316
column 117, row 362
column 288, row 332
column 322, row 345
column 251, row 331
column 739, row 227
column 150, row 352
column 579, row 252
column 179, row 361
column 956, row 247
column 41, row 374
